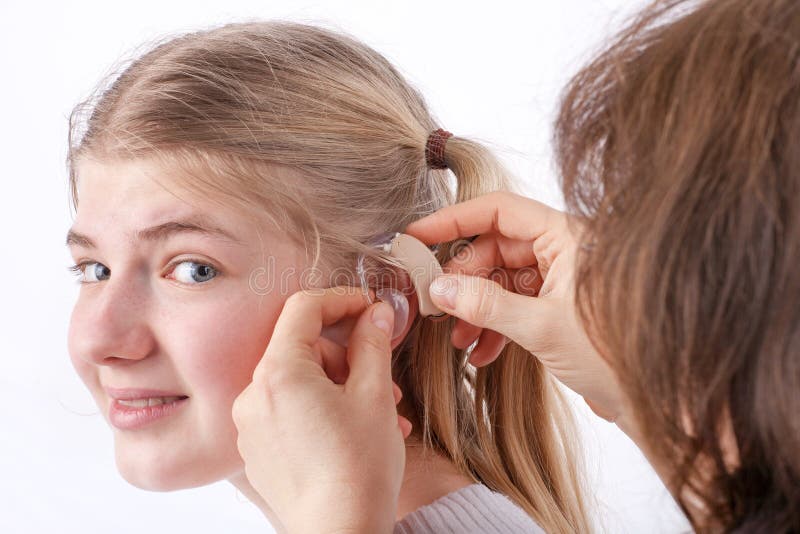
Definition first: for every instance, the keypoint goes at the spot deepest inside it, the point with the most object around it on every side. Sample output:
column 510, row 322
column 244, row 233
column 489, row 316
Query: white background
column 488, row 69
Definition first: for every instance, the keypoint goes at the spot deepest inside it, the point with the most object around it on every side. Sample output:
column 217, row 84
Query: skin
column 147, row 322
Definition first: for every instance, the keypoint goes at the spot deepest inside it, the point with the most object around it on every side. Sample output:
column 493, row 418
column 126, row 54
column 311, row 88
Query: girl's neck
column 428, row 476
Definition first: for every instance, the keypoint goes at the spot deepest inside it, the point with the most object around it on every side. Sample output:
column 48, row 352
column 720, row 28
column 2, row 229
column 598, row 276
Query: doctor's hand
column 515, row 281
column 327, row 455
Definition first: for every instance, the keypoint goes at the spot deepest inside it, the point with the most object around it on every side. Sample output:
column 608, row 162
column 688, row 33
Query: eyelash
column 78, row 269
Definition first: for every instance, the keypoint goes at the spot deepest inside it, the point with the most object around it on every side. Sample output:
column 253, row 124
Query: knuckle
column 279, row 378
column 298, row 298
column 374, row 342
column 546, row 253
column 485, row 309
column 265, row 368
column 304, row 297
column 548, row 289
column 239, row 410
column 547, row 333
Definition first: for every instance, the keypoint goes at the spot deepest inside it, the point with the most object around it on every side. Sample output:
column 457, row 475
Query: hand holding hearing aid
column 281, row 440
column 533, row 248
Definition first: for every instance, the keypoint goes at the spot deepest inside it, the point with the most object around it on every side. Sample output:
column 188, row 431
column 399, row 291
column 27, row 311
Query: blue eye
column 191, row 272
column 186, row 272
column 91, row 271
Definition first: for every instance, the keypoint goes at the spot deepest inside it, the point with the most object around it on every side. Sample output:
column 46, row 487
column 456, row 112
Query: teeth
column 143, row 403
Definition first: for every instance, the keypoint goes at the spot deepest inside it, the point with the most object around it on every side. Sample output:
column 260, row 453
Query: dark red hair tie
column 434, row 149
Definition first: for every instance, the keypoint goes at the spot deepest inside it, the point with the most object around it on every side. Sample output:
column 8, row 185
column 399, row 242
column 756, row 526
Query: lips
column 133, row 408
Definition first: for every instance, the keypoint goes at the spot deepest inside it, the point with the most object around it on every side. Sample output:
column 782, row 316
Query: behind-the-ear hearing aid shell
column 422, row 267
column 417, row 260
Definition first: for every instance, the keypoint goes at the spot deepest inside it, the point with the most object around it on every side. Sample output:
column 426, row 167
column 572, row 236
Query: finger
column 489, row 347
column 339, row 332
column 464, row 334
column 489, row 251
column 491, row 343
column 369, row 352
column 398, row 394
column 305, row 313
column 505, row 213
column 487, row 304
column 334, row 360
column 526, row 281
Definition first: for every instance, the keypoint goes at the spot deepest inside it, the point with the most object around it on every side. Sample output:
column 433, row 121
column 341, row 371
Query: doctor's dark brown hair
column 319, row 134
column 679, row 148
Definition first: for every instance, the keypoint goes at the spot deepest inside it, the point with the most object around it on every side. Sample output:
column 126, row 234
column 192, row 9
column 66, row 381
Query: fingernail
column 381, row 317
column 443, row 292
column 399, row 303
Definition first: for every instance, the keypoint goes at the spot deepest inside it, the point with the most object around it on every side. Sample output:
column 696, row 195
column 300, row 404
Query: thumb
column 369, row 353
column 487, row 304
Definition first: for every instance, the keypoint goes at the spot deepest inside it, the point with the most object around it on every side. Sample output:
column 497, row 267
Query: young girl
column 223, row 171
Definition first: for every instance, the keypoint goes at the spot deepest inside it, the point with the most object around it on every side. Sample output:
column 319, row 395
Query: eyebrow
column 161, row 232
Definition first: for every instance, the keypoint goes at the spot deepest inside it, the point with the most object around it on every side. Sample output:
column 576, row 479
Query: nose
column 109, row 324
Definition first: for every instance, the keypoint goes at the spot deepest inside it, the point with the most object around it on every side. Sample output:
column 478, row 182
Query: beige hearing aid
column 421, row 265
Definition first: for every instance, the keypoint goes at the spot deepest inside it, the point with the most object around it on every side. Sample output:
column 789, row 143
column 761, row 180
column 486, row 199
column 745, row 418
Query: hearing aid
column 417, row 260
column 414, row 257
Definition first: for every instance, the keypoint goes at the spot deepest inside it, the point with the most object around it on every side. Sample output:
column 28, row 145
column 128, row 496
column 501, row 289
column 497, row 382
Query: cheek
column 219, row 350
column 76, row 332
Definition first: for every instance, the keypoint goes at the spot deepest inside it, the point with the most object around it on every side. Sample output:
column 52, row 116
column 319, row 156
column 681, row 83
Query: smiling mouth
column 140, row 412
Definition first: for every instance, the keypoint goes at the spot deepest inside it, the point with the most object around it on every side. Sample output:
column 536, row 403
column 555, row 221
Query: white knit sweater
column 473, row 509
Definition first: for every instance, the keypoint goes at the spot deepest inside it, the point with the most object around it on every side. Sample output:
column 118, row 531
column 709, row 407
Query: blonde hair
column 237, row 103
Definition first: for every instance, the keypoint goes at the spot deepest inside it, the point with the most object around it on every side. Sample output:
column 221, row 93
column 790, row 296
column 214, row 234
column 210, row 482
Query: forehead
column 128, row 195
column 132, row 185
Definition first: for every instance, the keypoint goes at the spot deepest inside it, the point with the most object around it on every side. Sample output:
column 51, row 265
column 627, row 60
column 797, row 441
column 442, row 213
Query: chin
column 175, row 470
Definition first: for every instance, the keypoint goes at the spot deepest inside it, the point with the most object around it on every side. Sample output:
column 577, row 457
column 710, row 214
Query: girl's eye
column 191, row 272
column 91, row 271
